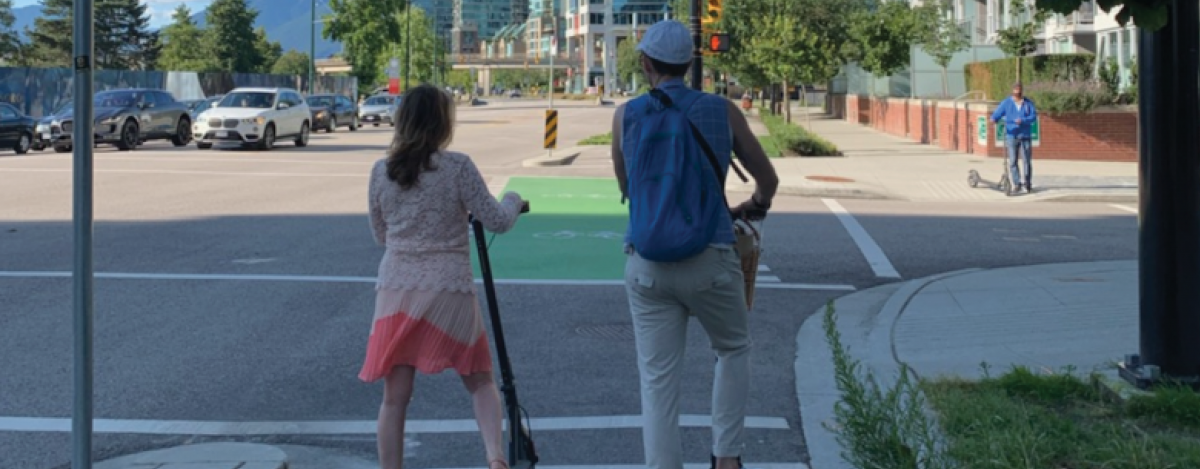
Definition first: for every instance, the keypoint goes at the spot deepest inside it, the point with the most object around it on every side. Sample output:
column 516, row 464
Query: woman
column 427, row 317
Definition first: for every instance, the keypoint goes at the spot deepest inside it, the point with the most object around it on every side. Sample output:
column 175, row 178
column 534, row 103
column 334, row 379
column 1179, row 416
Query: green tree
column 629, row 61
column 1017, row 40
column 268, row 51
column 884, row 37
column 123, row 39
column 291, row 63
column 230, row 38
column 182, row 45
column 943, row 38
column 1145, row 14
column 366, row 28
column 51, row 35
column 785, row 50
column 419, row 32
column 12, row 50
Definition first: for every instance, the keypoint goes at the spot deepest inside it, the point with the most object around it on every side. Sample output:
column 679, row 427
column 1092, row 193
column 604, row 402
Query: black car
column 128, row 117
column 16, row 129
column 330, row 111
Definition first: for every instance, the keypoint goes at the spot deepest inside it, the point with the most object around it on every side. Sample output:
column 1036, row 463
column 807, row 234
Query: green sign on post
column 1035, row 132
column 981, row 131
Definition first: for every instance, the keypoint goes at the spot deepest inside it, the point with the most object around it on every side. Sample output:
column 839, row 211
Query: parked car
column 129, row 117
column 49, row 127
column 331, row 111
column 16, row 129
column 201, row 105
column 254, row 117
column 379, row 109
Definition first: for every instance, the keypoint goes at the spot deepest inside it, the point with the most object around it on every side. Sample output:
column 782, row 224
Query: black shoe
column 1029, row 188
column 714, row 462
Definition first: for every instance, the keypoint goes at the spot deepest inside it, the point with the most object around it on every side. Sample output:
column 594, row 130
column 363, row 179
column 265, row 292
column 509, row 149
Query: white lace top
column 426, row 228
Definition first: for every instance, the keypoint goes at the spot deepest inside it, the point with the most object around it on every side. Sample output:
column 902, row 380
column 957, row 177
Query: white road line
column 751, row 464
column 1125, row 208
column 870, row 250
column 763, row 268
column 348, row 427
column 348, row 279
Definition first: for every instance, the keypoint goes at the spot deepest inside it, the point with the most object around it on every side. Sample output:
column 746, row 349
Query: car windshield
column 116, row 99
column 251, row 99
column 202, row 106
column 322, row 101
column 380, row 100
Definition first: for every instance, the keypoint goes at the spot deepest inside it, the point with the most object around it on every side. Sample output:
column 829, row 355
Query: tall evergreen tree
column 51, row 34
column 230, row 36
column 182, row 44
column 269, row 52
column 11, row 48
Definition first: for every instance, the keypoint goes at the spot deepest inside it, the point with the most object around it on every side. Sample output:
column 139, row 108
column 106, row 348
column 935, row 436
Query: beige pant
column 662, row 298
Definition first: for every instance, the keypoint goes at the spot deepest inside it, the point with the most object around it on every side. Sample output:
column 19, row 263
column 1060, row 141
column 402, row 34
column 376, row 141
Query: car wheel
column 203, row 145
column 268, row 138
column 376, row 125
column 302, row 139
column 23, row 144
column 332, row 125
column 354, row 123
column 183, row 133
column 129, row 136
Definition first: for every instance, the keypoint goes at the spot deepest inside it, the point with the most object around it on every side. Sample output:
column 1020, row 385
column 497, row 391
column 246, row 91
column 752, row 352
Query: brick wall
column 1108, row 134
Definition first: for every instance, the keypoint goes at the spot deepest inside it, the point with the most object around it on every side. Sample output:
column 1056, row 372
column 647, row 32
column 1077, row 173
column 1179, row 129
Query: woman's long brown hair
column 424, row 125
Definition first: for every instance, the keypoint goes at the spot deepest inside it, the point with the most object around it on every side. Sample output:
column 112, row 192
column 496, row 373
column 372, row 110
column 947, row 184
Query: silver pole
column 82, row 138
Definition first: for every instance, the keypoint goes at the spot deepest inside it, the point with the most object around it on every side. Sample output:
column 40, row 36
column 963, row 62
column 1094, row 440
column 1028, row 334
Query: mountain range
column 286, row 21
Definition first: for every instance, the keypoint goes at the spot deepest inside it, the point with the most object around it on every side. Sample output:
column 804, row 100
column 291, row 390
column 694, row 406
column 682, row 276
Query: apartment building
column 594, row 29
column 476, row 20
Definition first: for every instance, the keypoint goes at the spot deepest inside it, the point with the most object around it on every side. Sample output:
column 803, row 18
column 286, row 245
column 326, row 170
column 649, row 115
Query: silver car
column 379, row 109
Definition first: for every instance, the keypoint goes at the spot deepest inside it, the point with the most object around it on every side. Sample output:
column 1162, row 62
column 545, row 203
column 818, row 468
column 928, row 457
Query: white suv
column 254, row 117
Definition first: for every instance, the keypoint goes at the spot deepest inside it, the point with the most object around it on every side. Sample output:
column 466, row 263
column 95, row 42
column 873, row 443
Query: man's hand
column 1018, row 121
column 749, row 210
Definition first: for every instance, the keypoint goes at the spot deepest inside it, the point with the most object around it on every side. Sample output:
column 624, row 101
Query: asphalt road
column 244, row 299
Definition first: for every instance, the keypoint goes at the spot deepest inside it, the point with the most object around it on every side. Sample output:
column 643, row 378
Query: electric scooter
column 521, row 453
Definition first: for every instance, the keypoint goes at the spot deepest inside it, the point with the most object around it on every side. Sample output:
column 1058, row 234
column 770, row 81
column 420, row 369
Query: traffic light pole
column 698, row 52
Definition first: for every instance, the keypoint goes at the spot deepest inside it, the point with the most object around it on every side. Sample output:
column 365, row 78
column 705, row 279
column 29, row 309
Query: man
column 708, row 285
column 1019, row 115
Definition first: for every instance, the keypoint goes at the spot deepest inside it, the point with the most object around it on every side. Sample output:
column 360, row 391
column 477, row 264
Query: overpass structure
column 479, row 64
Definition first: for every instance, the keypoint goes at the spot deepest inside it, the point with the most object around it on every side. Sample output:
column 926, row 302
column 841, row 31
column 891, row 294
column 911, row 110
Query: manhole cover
column 829, row 179
column 620, row 331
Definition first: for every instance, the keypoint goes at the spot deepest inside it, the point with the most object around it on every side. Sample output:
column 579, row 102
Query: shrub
column 996, row 77
column 1059, row 98
column 796, row 139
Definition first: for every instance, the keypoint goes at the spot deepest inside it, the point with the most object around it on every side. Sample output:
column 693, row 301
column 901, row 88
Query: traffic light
column 712, row 12
column 718, row 42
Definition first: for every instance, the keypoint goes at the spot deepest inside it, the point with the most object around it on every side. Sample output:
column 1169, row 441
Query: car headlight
column 260, row 120
column 109, row 120
column 320, row 114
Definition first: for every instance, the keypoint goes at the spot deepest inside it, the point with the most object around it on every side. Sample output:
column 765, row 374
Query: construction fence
column 40, row 91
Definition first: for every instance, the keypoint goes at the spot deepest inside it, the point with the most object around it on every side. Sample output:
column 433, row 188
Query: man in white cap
column 667, row 146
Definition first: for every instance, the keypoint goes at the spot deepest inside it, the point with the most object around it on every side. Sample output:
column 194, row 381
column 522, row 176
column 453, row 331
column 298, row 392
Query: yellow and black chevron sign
column 551, row 140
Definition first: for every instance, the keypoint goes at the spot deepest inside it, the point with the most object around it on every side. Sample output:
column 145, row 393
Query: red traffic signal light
column 718, row 42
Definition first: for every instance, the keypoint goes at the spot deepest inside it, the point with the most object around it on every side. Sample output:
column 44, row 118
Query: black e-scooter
column 521, row 453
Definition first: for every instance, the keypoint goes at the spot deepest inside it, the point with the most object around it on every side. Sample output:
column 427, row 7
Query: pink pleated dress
column 427, row 314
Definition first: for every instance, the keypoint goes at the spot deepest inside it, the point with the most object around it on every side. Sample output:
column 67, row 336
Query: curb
column 799, row 191
column 1092, row 198
column 561, row 158
column 816, row 390
column 204, row 456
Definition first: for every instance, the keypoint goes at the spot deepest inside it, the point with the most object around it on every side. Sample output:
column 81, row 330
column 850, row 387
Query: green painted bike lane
column 574, row 230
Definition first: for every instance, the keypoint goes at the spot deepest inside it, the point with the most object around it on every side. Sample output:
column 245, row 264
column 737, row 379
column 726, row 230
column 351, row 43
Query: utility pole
column 312, row 48
column 407, row 41
column 83, row 35
column 697, row 53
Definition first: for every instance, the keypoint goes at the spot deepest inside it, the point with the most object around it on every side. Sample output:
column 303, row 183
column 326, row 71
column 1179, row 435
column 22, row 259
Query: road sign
column 394, row 85
column 554, row 45
column 1035, row 132
column 394, row 68
column 981, row 131
column 551, row 138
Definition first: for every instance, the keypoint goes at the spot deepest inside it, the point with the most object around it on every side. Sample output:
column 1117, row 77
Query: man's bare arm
column 618, row 158
column 752, row 156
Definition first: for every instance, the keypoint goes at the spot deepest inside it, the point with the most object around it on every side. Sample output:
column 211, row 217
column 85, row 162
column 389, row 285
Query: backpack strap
column 708, row 151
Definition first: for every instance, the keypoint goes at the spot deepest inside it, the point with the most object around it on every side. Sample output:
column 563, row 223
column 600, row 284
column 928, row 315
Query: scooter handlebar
column 524, row 209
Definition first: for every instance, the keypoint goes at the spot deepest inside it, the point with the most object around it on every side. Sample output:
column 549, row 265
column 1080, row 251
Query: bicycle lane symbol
column 568, row 234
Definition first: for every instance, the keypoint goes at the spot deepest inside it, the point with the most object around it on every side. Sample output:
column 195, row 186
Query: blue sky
column 160, row 10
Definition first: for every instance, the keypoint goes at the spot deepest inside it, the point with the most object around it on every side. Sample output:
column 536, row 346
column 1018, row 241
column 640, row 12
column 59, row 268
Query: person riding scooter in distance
column 1019, row 115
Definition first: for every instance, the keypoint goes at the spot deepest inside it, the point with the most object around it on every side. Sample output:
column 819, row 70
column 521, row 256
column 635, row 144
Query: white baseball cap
column 668, row 41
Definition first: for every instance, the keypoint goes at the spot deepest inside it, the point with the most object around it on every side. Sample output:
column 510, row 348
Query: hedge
column 796, row 139
column 996, row 77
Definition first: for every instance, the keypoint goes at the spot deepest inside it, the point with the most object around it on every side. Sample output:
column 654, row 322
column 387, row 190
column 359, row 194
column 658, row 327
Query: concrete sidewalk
column 203, row 456
column 878, row 165
column 1048, row 317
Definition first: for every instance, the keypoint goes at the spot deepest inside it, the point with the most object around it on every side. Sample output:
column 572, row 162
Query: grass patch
column 793, row 139
column 1023, row 420
column 769, row 146
column 602, row 139
column 1018, row 420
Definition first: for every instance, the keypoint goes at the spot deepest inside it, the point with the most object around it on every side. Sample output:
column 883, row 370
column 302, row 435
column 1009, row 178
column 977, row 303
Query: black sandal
column 714, row 462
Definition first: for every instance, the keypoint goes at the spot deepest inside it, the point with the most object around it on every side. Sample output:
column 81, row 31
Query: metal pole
column 312, row 48
column 407, row 40
column 1169, row 202
column 82, row 137
column 553, row 52
column 697, row 53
